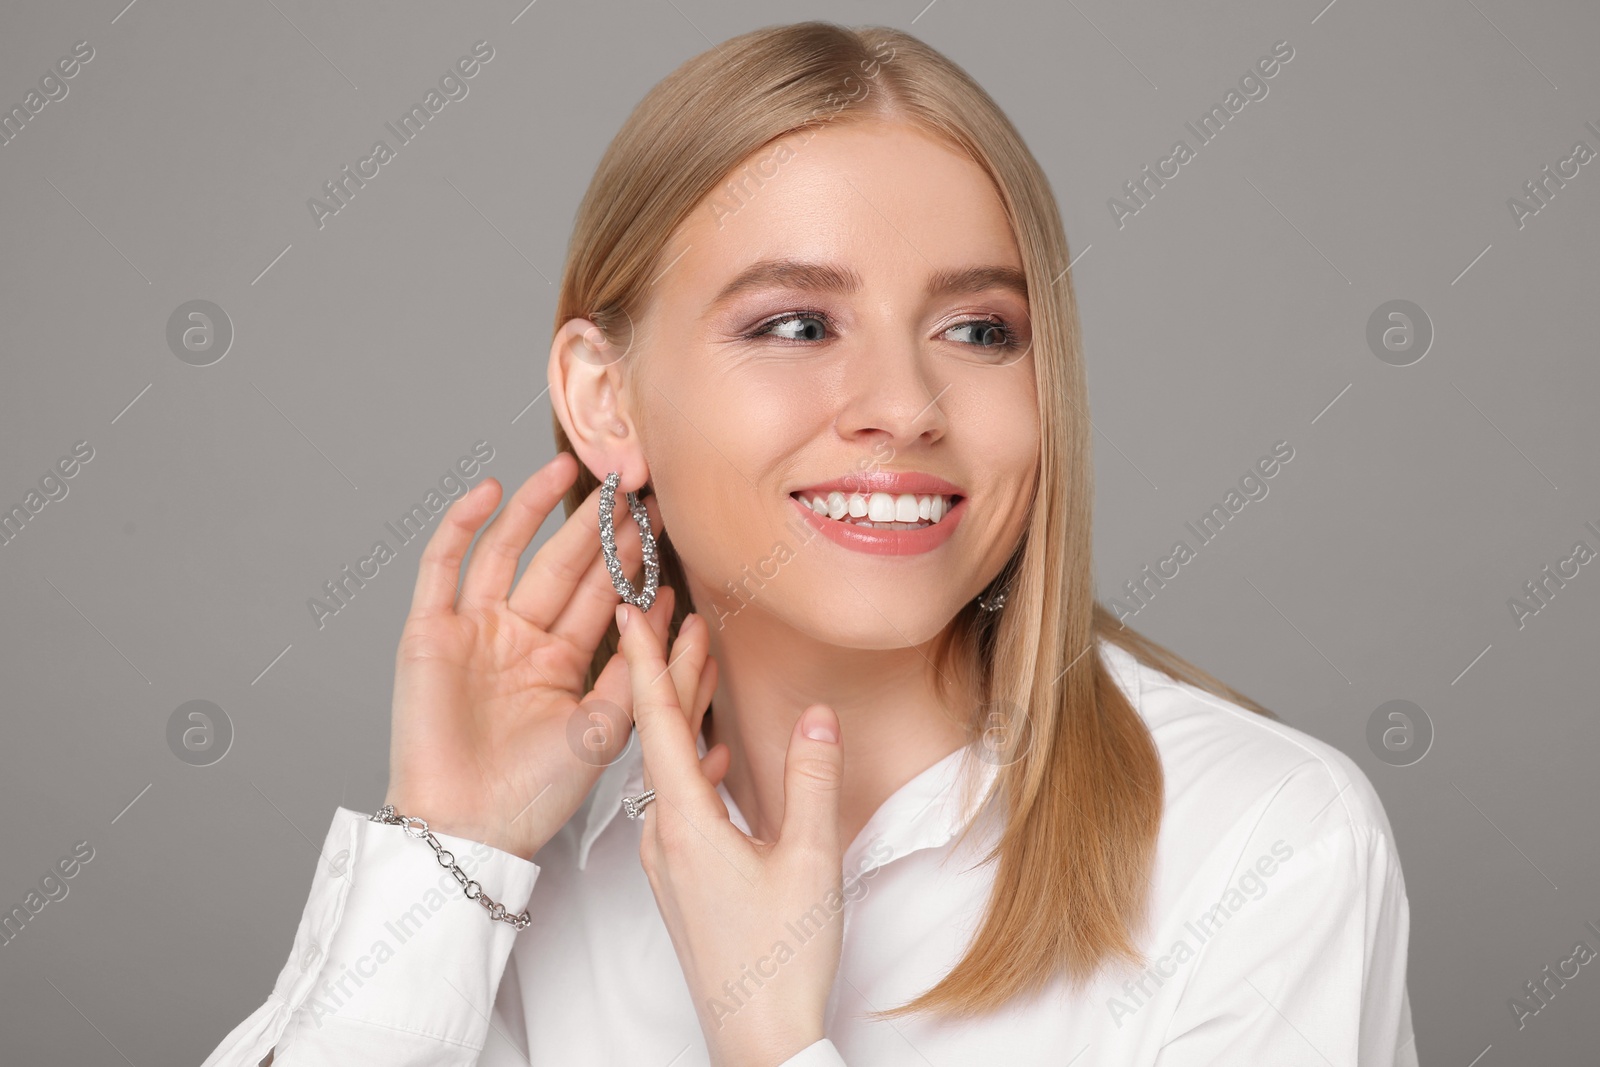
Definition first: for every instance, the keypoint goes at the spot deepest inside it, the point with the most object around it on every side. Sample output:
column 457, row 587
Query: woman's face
column 853, row 321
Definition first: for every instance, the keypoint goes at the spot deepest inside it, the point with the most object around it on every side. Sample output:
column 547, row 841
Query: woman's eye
column 986, row 334
column 782, row 327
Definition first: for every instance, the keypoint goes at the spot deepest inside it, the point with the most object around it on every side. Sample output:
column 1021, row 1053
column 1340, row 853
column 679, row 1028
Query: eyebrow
column 827, row 278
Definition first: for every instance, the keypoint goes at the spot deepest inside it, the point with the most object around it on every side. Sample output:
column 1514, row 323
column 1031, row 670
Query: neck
column 897, row 718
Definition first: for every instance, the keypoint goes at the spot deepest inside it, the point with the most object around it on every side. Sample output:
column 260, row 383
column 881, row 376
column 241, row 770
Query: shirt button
column 339, row 863
column 309, row 957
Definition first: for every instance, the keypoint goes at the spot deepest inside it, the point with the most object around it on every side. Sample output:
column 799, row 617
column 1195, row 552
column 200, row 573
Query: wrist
column 441, row 820
column 472, row 889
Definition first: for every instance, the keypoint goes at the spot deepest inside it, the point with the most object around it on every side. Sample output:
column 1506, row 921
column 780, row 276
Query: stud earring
column 608, row 545
column 993, row 603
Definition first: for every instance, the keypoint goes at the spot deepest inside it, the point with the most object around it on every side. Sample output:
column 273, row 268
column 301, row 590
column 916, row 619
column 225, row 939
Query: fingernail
column 820, row 730
column 622, row 617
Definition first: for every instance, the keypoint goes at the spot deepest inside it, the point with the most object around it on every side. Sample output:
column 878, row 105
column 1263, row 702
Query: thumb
column 812, row 772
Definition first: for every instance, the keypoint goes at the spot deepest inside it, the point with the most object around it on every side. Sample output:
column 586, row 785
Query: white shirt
column 1278, row 931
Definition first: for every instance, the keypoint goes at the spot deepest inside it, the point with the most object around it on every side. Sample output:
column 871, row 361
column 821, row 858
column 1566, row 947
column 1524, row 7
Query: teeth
column 903, row 511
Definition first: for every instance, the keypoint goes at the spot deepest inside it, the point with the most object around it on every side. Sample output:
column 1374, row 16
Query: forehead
column 887, row 200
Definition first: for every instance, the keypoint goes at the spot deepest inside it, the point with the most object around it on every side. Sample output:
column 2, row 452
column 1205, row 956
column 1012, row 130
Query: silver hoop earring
column 608, row 545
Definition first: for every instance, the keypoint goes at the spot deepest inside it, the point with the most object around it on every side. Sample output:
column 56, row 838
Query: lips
column 872, row 511
column 891, row 482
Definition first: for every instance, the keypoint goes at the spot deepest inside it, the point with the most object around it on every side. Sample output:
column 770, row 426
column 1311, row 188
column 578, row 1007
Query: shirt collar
column 926, row 812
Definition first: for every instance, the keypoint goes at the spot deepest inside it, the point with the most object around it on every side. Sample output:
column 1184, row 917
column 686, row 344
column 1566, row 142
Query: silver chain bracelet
column 418, row 828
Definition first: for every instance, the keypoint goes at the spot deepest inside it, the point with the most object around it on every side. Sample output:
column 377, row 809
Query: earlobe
column 587, row 397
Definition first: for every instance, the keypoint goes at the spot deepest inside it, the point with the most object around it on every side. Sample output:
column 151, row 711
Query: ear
column 586, row 393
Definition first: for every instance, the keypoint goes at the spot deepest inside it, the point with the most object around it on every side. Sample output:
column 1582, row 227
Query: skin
column 724, row 426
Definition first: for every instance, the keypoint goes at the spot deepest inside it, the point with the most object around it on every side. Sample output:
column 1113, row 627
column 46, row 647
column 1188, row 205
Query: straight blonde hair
column 1082, row 797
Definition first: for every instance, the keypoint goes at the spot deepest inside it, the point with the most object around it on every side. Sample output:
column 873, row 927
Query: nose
column 889, row 390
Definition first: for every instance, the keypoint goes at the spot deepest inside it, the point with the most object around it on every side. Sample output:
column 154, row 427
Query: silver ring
column 634, row 806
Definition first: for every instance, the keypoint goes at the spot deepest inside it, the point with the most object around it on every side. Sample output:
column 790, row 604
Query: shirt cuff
column 388, row 939
column 817, row 1054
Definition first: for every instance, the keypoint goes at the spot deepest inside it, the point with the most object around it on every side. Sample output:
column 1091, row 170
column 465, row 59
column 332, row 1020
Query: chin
column 872, row 622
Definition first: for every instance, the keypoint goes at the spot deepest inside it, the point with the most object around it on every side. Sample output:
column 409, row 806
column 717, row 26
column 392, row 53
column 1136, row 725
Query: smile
column 881, row 511
column 883, row 524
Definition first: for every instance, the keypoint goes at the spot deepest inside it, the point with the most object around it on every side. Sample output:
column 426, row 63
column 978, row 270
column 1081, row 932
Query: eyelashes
column 765, row 327
column 1013, row 339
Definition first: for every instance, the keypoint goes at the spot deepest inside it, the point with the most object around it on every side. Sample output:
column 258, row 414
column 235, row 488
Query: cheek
column 717, row 437
column 1000, row 413
column 720, row 452
column 1007, row 437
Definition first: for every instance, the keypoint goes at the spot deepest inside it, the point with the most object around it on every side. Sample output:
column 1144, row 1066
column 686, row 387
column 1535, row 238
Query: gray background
column 369, row 355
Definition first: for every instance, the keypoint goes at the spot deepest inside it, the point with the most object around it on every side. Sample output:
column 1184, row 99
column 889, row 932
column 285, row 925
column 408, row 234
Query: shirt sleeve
column 1305, row 963
column 817, row 1054
column 391, row 962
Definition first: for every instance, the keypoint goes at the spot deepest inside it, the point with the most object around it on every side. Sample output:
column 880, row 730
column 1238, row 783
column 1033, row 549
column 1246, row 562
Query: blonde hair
column 1082, row 803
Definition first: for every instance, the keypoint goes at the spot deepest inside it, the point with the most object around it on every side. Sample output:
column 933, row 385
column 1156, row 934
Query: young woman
column 874, row 780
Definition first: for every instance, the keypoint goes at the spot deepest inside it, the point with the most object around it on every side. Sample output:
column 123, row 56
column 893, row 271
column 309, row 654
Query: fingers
column 707, row 685
column 714, row 764
column 812, row 771
column 688, row 657
column 591, row 606
column 494, row 560
column 613, row 683
column 440, row 565
column 670, row 755
column 559, row 565
column 569, row 572
column 702, row 697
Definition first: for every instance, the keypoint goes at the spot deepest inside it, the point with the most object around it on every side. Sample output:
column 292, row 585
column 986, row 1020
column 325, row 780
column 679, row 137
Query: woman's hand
column 489, row 742
column 757, row 925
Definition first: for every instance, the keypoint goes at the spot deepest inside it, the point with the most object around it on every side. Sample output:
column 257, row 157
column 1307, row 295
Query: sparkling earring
column 608, row 545
column 993, row 603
